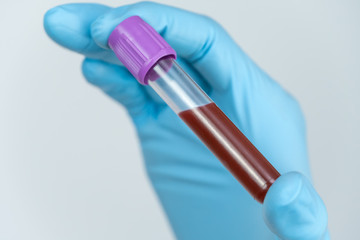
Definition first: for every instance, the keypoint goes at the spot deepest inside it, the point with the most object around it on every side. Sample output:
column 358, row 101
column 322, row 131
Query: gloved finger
column 69, row 26
column 198, row 39
column 119, row 84
column 293, row 210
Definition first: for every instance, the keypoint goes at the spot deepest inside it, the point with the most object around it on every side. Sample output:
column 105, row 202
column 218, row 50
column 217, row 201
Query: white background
column 70, row 165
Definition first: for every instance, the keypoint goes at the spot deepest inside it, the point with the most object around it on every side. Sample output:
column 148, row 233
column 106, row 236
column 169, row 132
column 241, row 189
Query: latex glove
column 200, row 197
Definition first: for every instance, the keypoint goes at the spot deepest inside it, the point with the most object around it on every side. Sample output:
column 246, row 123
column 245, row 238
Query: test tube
column 152, row 62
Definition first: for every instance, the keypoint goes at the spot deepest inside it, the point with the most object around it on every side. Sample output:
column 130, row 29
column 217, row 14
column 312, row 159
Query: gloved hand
column 200, row 197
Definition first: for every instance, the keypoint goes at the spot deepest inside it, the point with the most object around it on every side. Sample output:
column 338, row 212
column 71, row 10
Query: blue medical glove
column 200, row 197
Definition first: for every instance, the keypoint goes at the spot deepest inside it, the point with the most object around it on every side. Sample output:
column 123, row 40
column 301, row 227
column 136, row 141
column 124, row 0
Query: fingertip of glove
column 58, row 16
column 285, row 189
column 293, row 209
column 62, row 25
column 50, row 19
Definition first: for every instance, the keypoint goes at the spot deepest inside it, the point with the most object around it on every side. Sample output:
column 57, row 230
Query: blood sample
column 152, row 62
column 232, row 148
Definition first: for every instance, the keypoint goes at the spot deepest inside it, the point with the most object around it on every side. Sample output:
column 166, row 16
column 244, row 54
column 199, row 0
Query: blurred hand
column 201, row 199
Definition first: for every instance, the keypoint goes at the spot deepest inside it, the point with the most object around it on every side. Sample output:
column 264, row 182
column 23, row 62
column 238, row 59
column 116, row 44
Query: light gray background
column 70, row 165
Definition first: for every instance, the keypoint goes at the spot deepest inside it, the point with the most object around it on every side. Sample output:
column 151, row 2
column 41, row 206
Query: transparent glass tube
column 175, row 87
column 213, row 127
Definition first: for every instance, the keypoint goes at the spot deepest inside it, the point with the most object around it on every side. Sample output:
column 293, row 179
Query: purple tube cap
column 138, row 46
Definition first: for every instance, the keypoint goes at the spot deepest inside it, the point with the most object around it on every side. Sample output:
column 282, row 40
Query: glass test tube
column 213, row 127
column 152, row 61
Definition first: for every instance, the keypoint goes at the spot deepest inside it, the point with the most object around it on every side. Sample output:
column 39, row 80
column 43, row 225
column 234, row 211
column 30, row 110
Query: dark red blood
column 198, row 120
